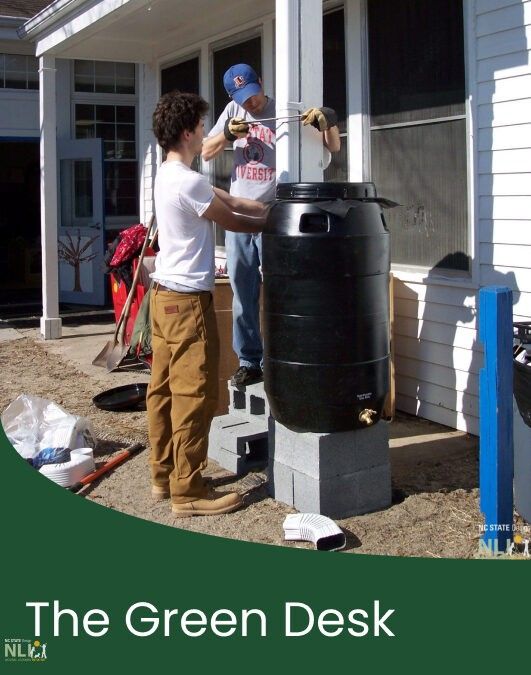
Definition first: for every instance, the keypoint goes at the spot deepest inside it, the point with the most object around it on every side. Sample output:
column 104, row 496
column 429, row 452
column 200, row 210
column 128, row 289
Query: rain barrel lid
column 306, row 191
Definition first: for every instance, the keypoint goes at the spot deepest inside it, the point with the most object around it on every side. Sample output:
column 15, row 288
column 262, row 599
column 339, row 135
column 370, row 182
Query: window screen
column 418, row 128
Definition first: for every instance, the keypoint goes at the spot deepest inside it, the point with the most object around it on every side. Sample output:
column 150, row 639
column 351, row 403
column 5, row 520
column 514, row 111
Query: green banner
column 87, row 589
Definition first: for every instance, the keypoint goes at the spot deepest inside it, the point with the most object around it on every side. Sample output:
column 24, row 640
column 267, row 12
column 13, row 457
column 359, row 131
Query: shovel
column 115, row 350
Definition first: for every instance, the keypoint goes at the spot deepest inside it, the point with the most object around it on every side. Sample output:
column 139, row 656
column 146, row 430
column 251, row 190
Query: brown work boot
column 160, row 492
column 213, row 505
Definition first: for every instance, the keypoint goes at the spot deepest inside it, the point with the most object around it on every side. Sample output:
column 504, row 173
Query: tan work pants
column 183, row 390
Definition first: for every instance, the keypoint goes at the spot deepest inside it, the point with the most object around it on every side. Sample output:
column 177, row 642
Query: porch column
column 50, row 320
column 299, row 85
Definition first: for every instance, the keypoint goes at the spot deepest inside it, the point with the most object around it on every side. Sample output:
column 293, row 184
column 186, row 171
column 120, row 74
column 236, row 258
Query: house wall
column 438, row 355
column 437, row 348
column 503, row 42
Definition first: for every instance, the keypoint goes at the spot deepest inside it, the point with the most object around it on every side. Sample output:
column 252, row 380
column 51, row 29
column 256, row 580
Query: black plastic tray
column 128, row 397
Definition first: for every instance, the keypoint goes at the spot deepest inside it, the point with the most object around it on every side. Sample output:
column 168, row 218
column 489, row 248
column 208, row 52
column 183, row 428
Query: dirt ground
column 434, row 514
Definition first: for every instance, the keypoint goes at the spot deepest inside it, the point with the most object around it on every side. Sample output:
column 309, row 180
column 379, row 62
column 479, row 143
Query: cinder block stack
column 336, row 474
column 238, row 441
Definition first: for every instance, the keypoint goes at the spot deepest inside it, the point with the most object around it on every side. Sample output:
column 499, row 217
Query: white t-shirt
column 186, row 239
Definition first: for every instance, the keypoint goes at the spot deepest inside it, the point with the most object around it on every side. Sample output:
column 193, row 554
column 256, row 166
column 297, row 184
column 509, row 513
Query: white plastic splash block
column 320, row 530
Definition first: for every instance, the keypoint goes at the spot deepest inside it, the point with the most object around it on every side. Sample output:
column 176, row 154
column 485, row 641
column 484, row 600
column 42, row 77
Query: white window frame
column 93, row 98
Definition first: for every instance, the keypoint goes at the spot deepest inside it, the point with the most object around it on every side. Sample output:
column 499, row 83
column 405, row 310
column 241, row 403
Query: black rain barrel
column 325, row 264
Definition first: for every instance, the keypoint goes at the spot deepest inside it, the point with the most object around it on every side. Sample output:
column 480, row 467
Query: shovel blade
column 101, row 358
column 116, row 356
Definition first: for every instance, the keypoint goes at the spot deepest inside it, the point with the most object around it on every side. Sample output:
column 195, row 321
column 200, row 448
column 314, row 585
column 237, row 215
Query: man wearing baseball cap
column 253, row 176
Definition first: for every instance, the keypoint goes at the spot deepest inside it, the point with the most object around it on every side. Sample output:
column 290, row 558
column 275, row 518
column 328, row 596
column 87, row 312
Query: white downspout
column 299, row 85
column 50, row 320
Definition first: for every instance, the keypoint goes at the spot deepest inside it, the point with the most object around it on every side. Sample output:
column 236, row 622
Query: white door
column 81, row 230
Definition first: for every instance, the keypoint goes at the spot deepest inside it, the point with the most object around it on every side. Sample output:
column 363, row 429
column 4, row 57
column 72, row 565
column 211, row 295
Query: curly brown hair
column 177, row 112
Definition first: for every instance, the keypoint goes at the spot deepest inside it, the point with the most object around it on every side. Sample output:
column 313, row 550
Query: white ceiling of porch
column 159, row 28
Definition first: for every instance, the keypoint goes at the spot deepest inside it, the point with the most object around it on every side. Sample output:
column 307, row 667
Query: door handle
column 96, row 226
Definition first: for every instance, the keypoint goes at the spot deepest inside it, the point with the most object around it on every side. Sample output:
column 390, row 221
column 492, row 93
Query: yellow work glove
column 235, row 127
column 320, row 118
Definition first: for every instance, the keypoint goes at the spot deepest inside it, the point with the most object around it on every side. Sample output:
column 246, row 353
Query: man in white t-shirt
column 183, row 389
column 248, row 123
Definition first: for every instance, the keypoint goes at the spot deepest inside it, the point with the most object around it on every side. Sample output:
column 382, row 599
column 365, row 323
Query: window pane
column 121, row 189
column 125, row 86
column 105, row 113
column 82, row 189
column 109, row 149
column 334, row 70
column 84, row 75
column 18, row 71
column 125, row 113
column 85, row 127
column 125, row 132
column 105, row 131
column 104, row 77
column 416, row 57
column 15, row 71
column 249, row 52
column 33, row 79
column 15, row 62
column 125, row 150
column 125, row 70
column 182, row 76
column 424, row 169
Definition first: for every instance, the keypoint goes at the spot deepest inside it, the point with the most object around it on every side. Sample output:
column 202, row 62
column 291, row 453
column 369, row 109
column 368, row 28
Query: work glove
column 235, row 127
column 320, row 118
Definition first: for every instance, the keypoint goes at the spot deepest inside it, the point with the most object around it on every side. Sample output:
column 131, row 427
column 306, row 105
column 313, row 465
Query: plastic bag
column 32, row 424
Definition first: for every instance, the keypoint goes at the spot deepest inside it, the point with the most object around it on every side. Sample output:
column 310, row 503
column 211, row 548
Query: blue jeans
column 244, row 257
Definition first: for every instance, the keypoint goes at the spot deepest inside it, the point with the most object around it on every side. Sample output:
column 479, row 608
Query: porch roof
column 134, row 30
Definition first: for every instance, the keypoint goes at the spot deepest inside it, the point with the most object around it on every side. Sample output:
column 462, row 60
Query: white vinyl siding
column 504, row 147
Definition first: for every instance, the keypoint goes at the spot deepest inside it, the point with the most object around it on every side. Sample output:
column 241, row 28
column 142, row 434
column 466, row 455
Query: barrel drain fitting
column 366, row 416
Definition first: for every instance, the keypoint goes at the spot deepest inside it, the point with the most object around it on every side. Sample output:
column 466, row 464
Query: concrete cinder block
column 345, row 495
column 219, row 424
column 227, row 460
column 238, row 464
column 280, row 484
column 249, row 402
column 238, row 445
column 326, row 455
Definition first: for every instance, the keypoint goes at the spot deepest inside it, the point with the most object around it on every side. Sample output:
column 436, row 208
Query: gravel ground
column 434, row 514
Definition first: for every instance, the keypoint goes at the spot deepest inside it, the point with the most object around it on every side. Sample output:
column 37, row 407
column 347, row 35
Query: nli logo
column 18, row 649
column 517, row 545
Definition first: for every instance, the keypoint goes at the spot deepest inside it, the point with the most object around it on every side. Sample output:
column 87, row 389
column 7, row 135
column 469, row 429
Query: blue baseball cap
column 241, row 82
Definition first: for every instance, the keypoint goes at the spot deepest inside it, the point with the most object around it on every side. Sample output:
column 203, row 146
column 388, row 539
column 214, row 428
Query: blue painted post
column 496, row 462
